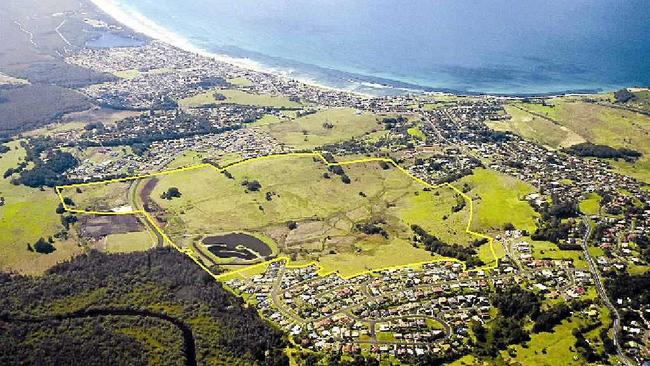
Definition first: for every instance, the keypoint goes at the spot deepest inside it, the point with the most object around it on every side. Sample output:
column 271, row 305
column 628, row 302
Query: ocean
column 510, row 47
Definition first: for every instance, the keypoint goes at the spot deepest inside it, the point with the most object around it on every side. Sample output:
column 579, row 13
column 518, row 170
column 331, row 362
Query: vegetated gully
column 189, row 346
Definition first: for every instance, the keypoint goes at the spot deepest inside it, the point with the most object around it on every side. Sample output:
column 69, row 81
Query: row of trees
column 434, row 245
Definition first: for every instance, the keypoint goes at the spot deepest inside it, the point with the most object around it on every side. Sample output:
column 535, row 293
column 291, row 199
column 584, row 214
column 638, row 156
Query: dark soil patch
column 96, row 227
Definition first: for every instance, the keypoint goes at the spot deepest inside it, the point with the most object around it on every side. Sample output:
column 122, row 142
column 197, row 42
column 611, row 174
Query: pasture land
column 27, row 215
column 324, row 127
column 329, row 214
column 535, row 128
column 571, row 121
column 234, row 96
column 499, row 200
column 558, row 347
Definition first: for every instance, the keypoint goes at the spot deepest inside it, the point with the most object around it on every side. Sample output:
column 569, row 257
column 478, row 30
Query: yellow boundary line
column 221, row 277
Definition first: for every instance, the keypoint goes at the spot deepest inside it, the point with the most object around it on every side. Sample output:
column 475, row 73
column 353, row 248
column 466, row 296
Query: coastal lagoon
column 390, row 47
column 109, row 39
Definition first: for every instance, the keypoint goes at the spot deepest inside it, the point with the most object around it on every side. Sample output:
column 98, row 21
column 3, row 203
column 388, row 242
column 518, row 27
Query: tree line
column 434, row 245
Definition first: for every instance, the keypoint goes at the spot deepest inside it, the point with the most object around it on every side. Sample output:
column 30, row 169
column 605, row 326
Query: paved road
column 600, row 288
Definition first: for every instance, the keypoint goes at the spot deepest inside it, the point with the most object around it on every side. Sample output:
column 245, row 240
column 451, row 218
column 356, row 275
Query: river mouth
column 237, row 246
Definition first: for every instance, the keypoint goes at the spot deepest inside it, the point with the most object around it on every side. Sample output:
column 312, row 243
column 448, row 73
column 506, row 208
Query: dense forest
column 47, row 170
column 602, row 151
column 154, row 307
column 550, row 225
column 32, row 106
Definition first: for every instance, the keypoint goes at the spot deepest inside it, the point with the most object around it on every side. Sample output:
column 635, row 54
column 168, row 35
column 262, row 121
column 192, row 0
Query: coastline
column 145, row 26
column 369, row 86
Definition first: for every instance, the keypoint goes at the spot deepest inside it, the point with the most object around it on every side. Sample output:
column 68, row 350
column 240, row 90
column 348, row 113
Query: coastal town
column 186, row 109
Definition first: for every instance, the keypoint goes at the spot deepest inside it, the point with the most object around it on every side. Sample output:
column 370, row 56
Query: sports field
column 591, row 205
column 129, row 242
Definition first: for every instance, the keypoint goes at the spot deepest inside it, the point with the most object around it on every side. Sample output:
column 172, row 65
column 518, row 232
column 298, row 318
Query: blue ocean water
column 496, row 46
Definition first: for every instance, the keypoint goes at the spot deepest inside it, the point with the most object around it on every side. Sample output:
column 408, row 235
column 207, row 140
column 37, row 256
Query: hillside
column 565, row 121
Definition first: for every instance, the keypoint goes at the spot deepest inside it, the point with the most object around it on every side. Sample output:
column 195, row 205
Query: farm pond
column 237, row 245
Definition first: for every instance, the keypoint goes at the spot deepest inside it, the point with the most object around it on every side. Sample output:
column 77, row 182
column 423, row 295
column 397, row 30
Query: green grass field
column 417, row 133
column 129, row 242
column 127, row 74
column 548, row 250
column 558, row 347
column 591, row 205
column 554, row 348
column 238, row 97
column 324, row 127
column 267, row 119
column 326, row 210
column 191, row 158
column 500, row 201
column 536, row 129
column 240, row 81
column 28, row 215
column 485, row 253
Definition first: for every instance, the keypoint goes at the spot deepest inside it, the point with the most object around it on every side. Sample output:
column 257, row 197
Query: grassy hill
column 567, row 121
column 324, row 127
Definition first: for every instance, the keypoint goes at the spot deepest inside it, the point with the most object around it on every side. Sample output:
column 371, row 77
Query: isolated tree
column 252, row 186
column 43, row 246
column 172, row 192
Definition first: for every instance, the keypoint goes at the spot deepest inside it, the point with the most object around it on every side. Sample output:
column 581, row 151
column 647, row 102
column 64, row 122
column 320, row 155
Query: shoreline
column 145, row 26
column 150, row 29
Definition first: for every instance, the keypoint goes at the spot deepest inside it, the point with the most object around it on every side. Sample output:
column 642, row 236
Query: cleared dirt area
column 96, row 227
